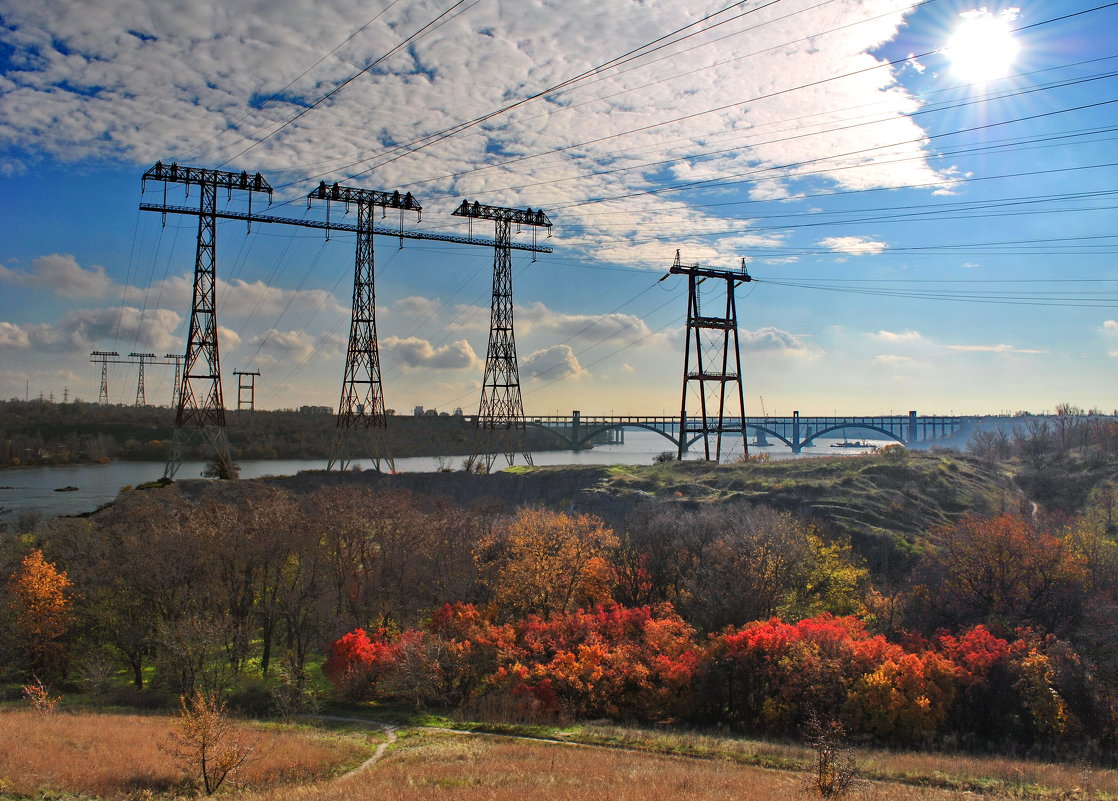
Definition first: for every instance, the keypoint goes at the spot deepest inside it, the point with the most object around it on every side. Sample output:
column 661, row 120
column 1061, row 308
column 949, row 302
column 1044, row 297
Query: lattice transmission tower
column 175, row 385
column 104, row 357
column 362, row 418
column 500, row 419
column 715, row 342
column 141, row 360
column 201, row 406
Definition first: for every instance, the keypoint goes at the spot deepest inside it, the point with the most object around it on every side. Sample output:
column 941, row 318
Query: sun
column 982, row 47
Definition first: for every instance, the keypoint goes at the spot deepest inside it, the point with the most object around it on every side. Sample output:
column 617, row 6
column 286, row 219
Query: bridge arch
column 842, row 427
column 588, row 432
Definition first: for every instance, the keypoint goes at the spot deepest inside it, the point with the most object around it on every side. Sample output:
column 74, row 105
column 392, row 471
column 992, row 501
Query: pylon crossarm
column 175, row 174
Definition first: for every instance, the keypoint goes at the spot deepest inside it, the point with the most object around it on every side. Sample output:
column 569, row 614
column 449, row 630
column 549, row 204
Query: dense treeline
column 43, row 433
column 712, row 613
column 1057, row 460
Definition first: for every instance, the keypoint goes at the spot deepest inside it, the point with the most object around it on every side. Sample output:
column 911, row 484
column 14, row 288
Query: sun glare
column 982, row 48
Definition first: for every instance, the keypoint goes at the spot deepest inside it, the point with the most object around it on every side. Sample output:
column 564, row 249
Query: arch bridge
column 797, row 432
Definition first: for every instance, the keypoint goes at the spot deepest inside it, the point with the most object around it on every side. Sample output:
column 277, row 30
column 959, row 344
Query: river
column 35, row 489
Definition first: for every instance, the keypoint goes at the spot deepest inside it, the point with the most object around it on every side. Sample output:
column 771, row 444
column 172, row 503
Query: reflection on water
column 34, row 489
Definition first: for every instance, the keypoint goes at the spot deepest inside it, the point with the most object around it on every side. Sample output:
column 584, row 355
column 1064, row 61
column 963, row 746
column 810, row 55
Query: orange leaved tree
column 42, row 613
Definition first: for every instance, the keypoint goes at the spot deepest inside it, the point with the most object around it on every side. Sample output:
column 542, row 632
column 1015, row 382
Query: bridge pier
column 576, row 420
column 797, row 444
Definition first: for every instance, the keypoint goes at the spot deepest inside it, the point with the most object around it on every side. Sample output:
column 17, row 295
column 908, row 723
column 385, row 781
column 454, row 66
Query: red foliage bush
column 645, row 663
column 355, row 661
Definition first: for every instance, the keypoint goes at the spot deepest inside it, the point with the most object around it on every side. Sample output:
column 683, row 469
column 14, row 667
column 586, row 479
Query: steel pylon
column 103, row 357
column 362, row 418
column 141, row 393
column 201, row 406
column 718, row 371
column 500, row 419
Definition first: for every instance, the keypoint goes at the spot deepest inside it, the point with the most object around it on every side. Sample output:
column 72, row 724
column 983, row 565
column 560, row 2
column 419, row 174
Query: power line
column 279, row 93
column 432, row 25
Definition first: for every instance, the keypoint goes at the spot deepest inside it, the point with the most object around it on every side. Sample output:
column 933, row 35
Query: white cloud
column 1110, row 326
column 853, row 245
column 134, row 81
column 287, row 348
column 228, row 339
column 61, row 273
column 897, row 336
column 413, row 352
column 13, row 336
column 551, row 364
column 584, row 329
column 124, row 329
column 770, row 338
column 1003, row 348
column 894, row 360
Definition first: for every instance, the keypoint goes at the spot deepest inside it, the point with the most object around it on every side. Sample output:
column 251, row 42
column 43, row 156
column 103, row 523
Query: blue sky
column 922, row 236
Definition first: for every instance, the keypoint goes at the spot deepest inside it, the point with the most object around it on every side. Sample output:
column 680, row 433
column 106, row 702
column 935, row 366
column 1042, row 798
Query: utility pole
column 103, row 357
column 250, row 387
column 361, row 410
column 201, row 407
column 720, row 374
column 500, row 419
column 175, row 387
column 141, row 398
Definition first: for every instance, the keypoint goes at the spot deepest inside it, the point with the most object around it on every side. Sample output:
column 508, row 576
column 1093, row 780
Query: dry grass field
column 919, row 767
column 449, row 767
column 113, row 756
column 81, row 756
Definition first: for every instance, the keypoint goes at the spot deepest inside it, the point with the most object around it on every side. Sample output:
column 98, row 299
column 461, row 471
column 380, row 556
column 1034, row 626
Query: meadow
column 109, row 756
column 112, row 756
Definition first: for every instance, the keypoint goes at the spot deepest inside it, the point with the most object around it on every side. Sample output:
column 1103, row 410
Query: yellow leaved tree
column 543, row 562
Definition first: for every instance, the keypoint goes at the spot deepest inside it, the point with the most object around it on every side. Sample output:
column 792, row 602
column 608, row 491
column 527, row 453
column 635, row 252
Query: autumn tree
column 1001, row 571
column 42, row 613
column 546, row 562
column 206, row 742
column 661, row 545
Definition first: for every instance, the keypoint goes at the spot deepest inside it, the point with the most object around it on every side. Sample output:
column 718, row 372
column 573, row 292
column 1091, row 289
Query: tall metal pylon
column 362, row 418
column 201, row 406
column 141, row 395
column 500, row 418
column 720, row 374
column 103, row 357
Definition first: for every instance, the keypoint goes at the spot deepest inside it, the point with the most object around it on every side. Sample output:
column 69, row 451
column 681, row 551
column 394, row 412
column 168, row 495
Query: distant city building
column 316, row 410
column 458, row 412
column 418, row 411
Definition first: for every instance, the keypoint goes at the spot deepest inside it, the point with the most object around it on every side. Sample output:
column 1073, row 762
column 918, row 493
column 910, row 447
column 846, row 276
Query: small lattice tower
column 141, row 360
column 103, row 356
column 246, row 389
